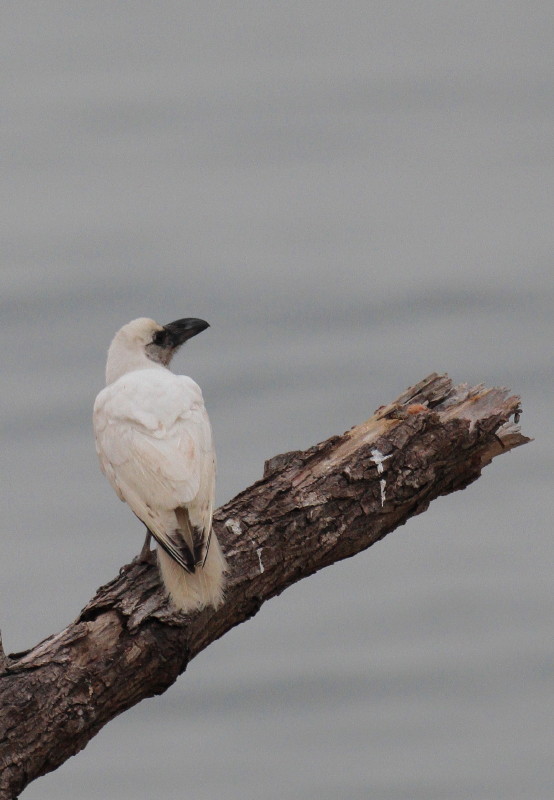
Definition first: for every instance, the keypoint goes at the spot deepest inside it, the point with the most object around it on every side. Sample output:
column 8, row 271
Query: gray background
column 353, row 194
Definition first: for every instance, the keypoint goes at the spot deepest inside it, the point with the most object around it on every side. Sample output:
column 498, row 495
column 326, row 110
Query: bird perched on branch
column 154, row 443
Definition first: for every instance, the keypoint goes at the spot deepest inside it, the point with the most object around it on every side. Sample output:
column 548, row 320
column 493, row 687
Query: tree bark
column 309, row 510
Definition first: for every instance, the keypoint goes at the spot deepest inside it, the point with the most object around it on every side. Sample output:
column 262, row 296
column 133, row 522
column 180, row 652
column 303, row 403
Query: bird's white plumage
column 154, row 443
column 152, row 424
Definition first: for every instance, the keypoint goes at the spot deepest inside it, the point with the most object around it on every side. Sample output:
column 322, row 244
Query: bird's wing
column 155, row 446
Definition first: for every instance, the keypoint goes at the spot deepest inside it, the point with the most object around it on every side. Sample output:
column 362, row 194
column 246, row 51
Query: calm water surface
column 354, row 195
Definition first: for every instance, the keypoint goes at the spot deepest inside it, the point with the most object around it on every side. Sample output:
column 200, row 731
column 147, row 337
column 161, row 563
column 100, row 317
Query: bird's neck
column 121, row 360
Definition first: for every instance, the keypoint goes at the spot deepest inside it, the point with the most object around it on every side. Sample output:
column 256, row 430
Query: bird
column 155, row 446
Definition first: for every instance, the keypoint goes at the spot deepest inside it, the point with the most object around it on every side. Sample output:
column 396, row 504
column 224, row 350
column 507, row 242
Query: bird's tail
column 193, row 591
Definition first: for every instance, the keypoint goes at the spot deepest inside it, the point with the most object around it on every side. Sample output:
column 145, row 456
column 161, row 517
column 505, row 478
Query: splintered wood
column 310, row 509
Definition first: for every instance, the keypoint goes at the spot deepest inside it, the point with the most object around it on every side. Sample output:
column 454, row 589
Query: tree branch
column 309, row 510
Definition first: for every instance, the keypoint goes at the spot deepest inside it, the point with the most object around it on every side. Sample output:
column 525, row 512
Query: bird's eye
column 160, row 338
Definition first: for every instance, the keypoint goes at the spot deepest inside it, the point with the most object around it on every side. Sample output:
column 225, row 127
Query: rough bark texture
column 309, row 510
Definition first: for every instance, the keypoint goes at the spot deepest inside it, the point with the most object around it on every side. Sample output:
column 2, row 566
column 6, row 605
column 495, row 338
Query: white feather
column 154, row 443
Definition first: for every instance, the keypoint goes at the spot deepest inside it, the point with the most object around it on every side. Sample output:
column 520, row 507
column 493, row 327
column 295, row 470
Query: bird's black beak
column 174, row 334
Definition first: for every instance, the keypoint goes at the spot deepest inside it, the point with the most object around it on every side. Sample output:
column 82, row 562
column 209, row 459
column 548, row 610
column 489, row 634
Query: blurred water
column 354, row 195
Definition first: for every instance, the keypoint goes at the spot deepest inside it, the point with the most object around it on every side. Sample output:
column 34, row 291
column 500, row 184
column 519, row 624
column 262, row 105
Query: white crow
column 154, row 442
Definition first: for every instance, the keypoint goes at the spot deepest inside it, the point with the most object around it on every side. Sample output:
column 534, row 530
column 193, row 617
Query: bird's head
column 143, row 341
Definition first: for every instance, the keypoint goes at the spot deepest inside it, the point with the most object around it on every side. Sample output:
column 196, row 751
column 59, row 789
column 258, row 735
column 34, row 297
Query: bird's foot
column 146, row 555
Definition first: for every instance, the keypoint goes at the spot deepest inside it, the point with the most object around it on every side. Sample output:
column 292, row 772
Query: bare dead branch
column 309, row 510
